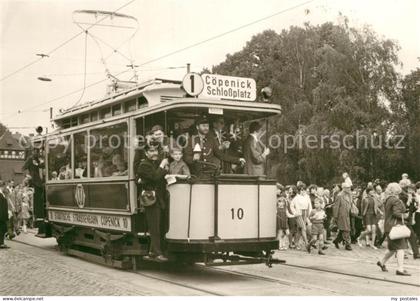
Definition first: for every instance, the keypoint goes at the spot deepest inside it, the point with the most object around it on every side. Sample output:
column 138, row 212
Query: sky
column 29, row 27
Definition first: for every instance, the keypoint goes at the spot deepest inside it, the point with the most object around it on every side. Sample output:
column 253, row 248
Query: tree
column 329, row 80
column 406, row 123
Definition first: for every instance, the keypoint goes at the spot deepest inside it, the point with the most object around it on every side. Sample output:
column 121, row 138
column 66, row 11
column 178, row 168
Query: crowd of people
column 16, row 209
column 310, row 217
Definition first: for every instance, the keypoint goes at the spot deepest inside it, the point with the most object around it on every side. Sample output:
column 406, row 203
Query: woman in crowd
column 328, row 211
column 291, row 192
column 302, row 206
column 283, row 214
column 395, row 212
column 370, row 212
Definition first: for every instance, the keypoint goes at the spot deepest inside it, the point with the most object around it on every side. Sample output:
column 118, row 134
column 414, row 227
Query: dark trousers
column 153, row 218
column 413, row 241
column 327, row 223
column 39, row 209
column 343, row 236
column 39, row 202
column 356, row 227
column 3, row 231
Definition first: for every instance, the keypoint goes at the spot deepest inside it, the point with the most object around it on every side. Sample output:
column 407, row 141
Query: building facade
column 12, row 157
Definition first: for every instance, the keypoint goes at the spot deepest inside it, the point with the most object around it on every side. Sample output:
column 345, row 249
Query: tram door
column 142, row 127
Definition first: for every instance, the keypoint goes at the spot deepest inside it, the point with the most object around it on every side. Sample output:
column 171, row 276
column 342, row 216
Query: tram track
column 170, row 279
column 143, row 274
column 201, row 290
column 315, row 269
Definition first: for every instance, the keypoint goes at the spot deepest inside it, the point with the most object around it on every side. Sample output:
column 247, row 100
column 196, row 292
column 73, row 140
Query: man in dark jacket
column 341, row 211
column 34, row 165
column 151, row 172
column 4, row 215
column 408, row 198
column 203, row 147
column 255, row 152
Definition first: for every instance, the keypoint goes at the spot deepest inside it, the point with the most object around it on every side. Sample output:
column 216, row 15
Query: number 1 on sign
column 192, row 83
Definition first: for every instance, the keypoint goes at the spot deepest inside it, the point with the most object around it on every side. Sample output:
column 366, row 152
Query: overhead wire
column 225, row 33
column 62, row 44
column 84, row 76
column 188, row 47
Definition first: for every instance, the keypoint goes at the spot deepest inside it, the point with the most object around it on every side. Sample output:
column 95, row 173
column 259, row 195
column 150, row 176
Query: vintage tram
column 94, row 212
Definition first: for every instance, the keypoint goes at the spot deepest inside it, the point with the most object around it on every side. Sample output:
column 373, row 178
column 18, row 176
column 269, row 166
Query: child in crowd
column 54, row 176
column 282, row 220
column 178, row 166
column 121, row 169
column 24, row 214
column 317, row 217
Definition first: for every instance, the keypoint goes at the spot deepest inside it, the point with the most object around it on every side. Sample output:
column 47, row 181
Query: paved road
column 42, row 270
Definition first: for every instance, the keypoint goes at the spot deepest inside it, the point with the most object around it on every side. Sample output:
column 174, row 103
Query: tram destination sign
column 220, row 86
column 112, row 222
column 229, row 87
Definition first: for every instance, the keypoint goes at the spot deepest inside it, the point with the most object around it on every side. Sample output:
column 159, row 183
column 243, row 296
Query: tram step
column 99, row 259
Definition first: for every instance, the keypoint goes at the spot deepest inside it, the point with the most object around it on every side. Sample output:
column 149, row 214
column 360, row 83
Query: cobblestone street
column 33, row 266
column 27, row 270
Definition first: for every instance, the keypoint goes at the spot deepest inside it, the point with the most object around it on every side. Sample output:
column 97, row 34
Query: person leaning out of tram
column 154, row 196
column 34, row 165
column 155, row 135
column 255, row 152
column 203, row 147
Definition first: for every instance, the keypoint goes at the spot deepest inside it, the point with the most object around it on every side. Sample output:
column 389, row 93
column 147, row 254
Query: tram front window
column 108, row 149
column 80, row 155
column 59, row 158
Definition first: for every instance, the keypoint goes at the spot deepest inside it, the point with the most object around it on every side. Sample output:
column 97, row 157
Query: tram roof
column 151, row 97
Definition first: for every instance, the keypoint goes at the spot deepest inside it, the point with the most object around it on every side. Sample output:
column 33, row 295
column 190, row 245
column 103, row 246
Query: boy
column 178, row 166
column 317, row 217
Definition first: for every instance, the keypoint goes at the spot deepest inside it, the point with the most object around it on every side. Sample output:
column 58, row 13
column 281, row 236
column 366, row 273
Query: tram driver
column 204, row 147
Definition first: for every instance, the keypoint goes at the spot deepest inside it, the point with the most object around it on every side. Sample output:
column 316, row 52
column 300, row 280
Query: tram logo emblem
column 80, row 196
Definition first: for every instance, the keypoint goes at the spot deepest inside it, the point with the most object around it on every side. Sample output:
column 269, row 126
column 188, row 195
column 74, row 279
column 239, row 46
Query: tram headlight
column 266, row 94
column 39, row 130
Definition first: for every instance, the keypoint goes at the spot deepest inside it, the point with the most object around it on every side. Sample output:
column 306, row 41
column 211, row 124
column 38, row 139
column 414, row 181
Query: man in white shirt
column 302, row 204
column 347, row 179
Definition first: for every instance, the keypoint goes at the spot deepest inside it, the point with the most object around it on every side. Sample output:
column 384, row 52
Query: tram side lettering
column 96, row 220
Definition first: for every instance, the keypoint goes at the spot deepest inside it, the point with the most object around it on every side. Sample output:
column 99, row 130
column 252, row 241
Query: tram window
column 116, row 110
column 130, row 105
column 142, row 102
column 59, row 158
column 66, row 123
column 85, row 118
column 80, row 155
column 108, row 149
column 74, row 122
column 94, row 116
column 105, row 113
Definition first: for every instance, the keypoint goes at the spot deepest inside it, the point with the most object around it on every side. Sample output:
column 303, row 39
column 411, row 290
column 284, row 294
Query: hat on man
column 156, row 128
column 152, row 145
column 202, row 120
